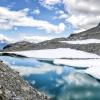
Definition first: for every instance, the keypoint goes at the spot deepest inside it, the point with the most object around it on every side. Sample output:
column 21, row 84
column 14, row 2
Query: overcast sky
column 57, row 18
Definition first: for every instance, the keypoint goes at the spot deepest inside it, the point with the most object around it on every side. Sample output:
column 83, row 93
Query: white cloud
column 60, row 14
column 36, row 11
column 84, row 14
column 63, row 16
column 3, row 38
column 26, row 10
column 49, row 3
column 35, row 39
column 9, row 19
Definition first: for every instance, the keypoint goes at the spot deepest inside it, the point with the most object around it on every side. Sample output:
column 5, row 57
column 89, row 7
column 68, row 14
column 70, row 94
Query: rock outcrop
column 13, row 87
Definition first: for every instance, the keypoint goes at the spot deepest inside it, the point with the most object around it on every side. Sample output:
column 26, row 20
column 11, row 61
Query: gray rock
column 13, row 87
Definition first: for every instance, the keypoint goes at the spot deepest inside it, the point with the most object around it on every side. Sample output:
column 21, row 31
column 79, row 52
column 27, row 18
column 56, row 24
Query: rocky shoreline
column 13, row 87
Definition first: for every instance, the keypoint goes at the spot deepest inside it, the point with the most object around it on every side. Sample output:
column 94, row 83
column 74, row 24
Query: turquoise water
column 59, row 82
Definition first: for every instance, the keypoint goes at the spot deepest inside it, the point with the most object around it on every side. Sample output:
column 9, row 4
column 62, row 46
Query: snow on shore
column 78, row 63
column 56, row 53
column 93, row 65
column 87, row 41
column 94, row 71
column 84, row 59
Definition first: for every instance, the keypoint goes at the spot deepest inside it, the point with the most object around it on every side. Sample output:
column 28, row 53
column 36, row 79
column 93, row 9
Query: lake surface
column 59, row 82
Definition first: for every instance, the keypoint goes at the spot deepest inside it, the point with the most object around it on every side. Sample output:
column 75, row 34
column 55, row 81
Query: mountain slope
column 92, row 48
column 23, row 45
column 93, row 33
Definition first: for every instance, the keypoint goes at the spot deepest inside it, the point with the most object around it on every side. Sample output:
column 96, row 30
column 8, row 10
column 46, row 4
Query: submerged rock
column 13, row 87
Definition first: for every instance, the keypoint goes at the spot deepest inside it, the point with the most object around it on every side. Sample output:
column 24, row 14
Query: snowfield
column 78, row 63
column 94, row 71
column 87, row 41
column 93, row 65
column 71, row 57
column 56, row 53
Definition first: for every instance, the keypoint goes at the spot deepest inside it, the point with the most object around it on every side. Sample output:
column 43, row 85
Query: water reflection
column 60, row 82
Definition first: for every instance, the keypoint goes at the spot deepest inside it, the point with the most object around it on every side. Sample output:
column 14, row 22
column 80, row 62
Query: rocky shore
column 13, row 87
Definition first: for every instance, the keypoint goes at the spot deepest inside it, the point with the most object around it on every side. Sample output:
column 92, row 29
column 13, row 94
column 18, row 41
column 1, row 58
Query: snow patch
column 87, row 41
column 56, row 53
column 94, row 71
column 78, row 63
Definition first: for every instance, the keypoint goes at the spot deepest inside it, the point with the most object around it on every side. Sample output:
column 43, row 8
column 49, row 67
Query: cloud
column 26, row 10
column 10, row 19
column 36, row 11
column 36, row 39
column 63, row 16
column 60, row 14
column 49, row 4
column 3, row 38
column 84, row 14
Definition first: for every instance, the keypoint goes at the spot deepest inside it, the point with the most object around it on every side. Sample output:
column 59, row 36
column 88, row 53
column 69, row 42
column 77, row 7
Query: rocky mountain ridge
column 93, row 33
